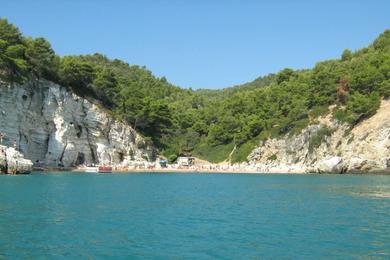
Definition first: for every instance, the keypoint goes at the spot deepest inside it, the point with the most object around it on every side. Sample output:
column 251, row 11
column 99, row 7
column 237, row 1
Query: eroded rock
column 331, row 164
column 13, row 162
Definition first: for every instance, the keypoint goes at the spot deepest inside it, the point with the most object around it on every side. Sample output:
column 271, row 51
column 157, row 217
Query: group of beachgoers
column 217, row 168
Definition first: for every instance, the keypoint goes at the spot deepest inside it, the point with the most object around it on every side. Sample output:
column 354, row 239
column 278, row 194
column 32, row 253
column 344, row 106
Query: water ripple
column 194, row 216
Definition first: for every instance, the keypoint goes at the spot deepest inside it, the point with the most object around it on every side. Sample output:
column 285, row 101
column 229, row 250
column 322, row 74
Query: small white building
column 185, row 161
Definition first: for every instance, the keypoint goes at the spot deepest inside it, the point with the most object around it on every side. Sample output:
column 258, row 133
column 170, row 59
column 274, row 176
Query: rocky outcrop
column 55, row 127
column 331, row 164
column 329, row 146
column 13, row 162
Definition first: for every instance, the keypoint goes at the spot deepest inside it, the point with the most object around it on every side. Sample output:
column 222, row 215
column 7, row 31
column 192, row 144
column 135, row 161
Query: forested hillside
column 208, row 123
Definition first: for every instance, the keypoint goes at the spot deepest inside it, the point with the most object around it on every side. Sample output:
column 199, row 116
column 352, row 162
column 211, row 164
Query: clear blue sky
column 200, row 43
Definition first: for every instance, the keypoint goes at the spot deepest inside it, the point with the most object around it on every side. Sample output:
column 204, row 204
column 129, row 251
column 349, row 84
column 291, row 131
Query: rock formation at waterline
column 13, row 162
column 55, row 127
column 328, row 146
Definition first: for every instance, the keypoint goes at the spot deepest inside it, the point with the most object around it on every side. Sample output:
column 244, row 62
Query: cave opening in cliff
column 80, row 158
column 120, row 156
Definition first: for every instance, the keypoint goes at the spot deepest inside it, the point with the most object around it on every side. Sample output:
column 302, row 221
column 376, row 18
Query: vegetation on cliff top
column 208, row 123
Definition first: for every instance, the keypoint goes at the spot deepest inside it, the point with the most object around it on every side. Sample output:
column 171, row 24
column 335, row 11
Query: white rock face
column 11, row 161
column 332, row 164
column 56, row 127
column 366, row 147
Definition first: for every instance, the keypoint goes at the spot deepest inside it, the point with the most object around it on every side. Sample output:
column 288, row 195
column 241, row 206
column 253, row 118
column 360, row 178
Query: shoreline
column 199, row 171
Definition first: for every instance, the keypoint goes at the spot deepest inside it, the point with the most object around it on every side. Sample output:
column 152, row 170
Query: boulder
column 356, row 164
column 13, row 162
column 331, row 165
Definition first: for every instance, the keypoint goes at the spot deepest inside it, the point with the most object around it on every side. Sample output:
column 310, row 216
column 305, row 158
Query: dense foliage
column 208, row 123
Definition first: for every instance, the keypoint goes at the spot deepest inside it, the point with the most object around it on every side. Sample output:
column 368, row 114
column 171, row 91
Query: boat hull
column 91, row 169
column 100, row 169
column 105, row 169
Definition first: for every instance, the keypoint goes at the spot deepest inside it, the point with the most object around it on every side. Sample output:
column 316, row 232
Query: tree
column 156, row 118
column 191, row 139
column 360, row 106
column 385, row 88
column 12, row 63
column 77, row 74
column 347, row 55
column 200, row 127
column 129, row 105
column 383, row 41
column 9, row 33
column 255, row 125
column 13, row 66
column 284, row 75
column 43, row 62
column 104, row 85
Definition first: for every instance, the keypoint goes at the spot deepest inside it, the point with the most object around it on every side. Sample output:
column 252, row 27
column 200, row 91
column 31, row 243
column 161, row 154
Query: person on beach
column 1, row 138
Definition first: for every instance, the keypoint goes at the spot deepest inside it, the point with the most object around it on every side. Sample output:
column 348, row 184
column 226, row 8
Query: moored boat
column 95, row 168
column 104, row 169
column 91, row 169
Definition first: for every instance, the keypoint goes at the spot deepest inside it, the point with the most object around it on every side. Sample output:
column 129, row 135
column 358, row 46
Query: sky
column 200, row 43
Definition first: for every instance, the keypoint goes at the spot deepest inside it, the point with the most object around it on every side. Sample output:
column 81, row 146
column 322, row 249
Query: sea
column 194, row 216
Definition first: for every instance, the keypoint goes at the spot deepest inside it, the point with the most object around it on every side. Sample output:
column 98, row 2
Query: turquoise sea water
column 196, row 216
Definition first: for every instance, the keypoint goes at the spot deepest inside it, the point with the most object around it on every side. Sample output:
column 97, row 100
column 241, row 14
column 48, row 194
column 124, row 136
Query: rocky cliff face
column 54, row 127
column 329, row 146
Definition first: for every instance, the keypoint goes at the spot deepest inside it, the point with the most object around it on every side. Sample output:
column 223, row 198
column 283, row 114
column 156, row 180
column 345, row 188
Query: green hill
column 208, row 123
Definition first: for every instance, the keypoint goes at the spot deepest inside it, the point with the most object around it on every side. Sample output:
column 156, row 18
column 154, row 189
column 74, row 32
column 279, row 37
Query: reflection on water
column 194, row 216
column 379, row 191
column 379, row 194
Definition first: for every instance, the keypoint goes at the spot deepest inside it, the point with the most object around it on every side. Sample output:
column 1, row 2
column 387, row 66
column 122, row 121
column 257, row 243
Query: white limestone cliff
column 364, row 148
column 53, row 127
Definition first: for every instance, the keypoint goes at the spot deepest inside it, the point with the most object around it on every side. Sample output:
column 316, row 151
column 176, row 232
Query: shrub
column 272, row 157
column 318, row 138
column 172, row 158
column 358, row 108
column 384, row 88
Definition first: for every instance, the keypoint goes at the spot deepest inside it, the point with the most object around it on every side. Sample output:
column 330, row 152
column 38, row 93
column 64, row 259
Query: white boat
column 100, row 169
column 91, row 169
